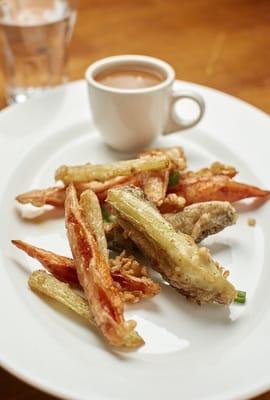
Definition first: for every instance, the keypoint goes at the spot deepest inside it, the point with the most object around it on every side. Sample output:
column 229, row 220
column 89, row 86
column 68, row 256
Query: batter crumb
column 251, row 221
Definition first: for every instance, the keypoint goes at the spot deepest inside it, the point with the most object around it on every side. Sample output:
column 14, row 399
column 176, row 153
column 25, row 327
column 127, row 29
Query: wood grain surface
column 219, row 43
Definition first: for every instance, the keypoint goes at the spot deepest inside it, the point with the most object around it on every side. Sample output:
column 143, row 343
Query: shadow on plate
column 205, row 314
column 253, row 205
column 47, row 215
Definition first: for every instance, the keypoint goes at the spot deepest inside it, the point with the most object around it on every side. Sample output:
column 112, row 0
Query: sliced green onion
column 106, row 215
column 174, row 178
column 241, row 297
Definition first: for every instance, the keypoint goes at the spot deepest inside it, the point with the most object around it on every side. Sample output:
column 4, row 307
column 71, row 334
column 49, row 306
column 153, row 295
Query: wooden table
column 219, row 43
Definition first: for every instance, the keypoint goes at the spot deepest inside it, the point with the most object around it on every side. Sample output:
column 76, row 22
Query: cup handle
column 176, row 122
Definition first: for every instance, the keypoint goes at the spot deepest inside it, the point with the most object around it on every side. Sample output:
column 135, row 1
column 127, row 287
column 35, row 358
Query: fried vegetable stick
column 134, row 283
column 94, row 276
column 55, row 196
column 198, row 220
column 203, row 219
column 103, row 172
column 44, row 283
column 135, row 288
column 91, row 212
column 188, row 268
column 219, row 187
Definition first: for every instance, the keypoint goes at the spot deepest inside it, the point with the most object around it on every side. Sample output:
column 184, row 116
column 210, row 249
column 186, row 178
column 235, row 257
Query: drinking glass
column 35, row 38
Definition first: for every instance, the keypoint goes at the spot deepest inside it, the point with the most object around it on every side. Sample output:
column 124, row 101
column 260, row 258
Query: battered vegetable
column 176, row 256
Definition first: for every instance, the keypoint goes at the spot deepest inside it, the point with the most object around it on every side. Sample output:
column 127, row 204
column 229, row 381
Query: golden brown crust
column 203, row 219
column 154, row 185
column 218, row 187
column 172, row 204
column 130, row 277
column 46, row 284
column 94, row 275
column 174, row 255
column 104, row 172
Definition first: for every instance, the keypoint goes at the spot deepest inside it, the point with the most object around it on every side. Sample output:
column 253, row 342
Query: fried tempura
column 103, row 172
column 217, row 187
column 94, row 275
column 130, row 277
column 44, row 283
column 203, row 219
column 55, row 196
column 181, row 262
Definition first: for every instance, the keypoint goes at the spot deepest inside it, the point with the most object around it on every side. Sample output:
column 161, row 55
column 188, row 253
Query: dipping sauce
column 129, row 77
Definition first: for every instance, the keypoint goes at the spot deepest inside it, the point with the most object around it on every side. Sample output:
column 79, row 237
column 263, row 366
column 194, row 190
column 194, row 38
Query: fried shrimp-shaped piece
column 61, row 267
column 94, row 276
column 130, row 277
column 55, row 196
column 217, row 187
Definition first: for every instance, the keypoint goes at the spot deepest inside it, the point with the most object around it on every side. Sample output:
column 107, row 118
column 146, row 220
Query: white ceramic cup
column 129, row 119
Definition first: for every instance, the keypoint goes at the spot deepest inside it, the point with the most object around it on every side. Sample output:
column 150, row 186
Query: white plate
column 191, row 352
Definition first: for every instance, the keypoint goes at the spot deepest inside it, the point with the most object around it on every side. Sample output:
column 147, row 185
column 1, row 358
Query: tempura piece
column 175, row 154
column 103, row 172
column 154, row 185
column 42, row 282
column 129, row 273
column 188, row 268
column 134, row 283
column 216, row 168
column 172, row 204
column 219, row 187
column 92, row 215
column 61, row 267
column 99, row 187
column 122, row 268
column 198, row 220
column 117, row 239
column 94, row 276
column 53, row 196
column 203, row 219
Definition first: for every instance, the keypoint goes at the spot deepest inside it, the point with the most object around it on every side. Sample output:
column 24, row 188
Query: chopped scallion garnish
column 241, row 297
column 174, row 178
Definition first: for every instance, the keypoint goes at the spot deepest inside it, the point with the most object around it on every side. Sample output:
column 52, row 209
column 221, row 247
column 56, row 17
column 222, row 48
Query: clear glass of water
column 35, row 36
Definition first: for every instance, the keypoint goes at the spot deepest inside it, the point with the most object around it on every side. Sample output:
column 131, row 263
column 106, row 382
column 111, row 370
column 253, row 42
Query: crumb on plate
column 251, row 221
